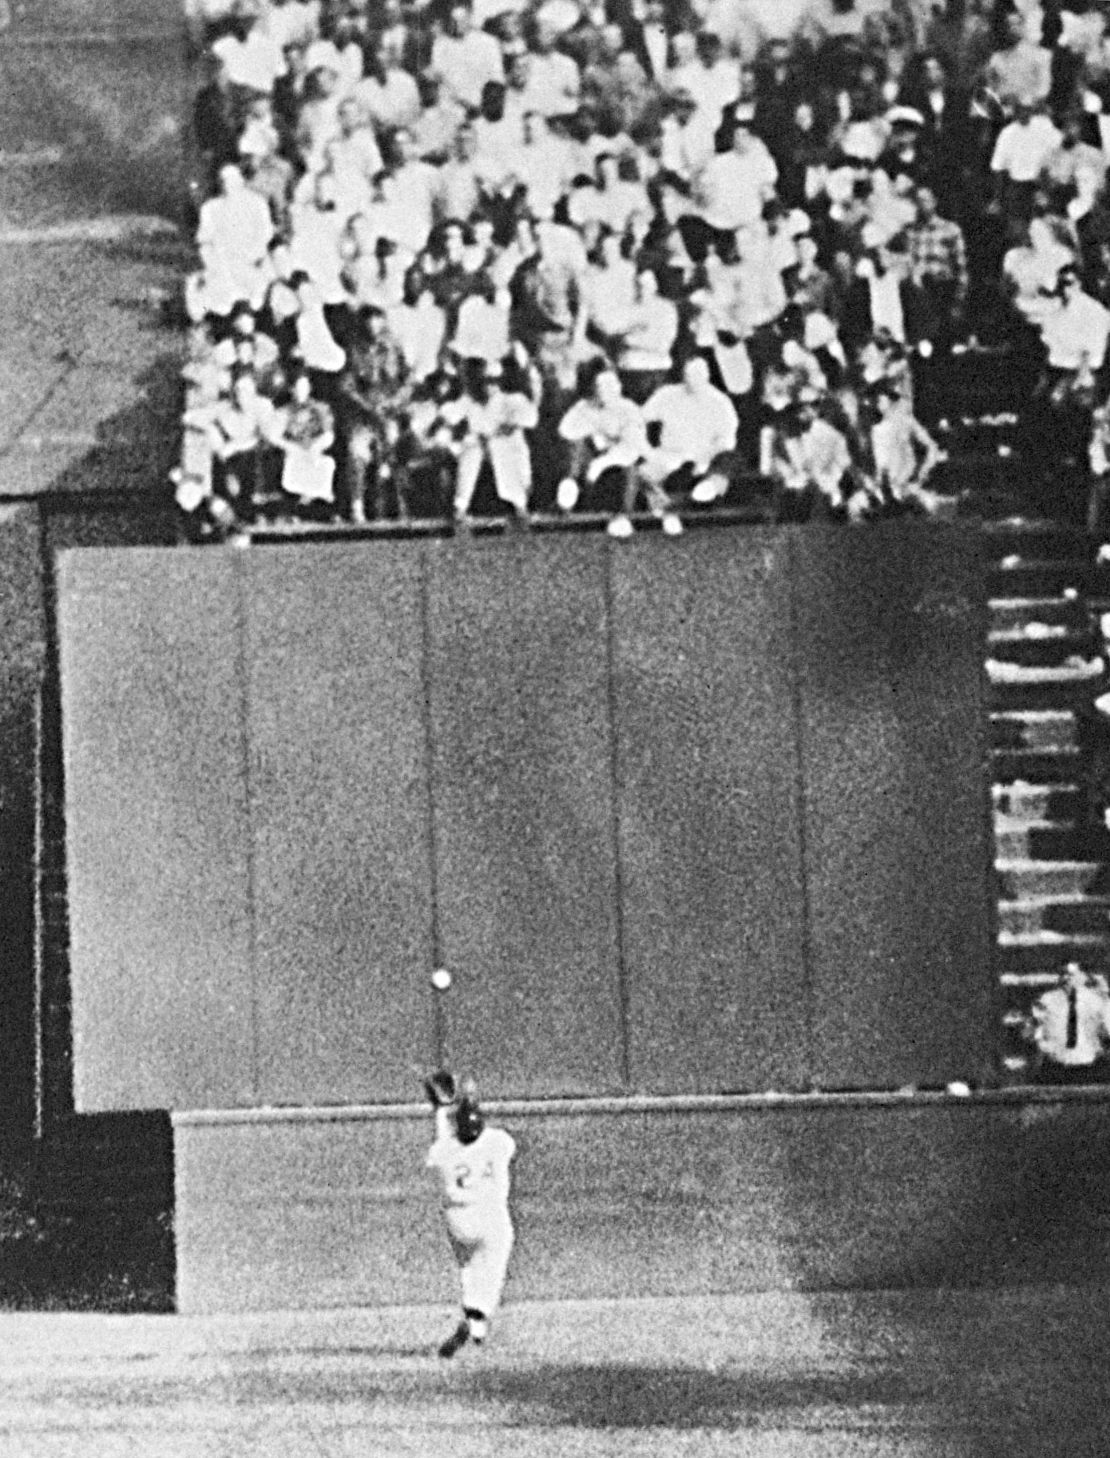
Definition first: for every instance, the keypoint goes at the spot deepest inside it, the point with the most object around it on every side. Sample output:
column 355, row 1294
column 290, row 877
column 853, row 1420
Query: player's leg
column 483, row 1277
column 463, row 1249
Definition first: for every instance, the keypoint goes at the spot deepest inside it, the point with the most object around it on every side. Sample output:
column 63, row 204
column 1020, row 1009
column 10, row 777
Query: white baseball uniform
column 475, row 1186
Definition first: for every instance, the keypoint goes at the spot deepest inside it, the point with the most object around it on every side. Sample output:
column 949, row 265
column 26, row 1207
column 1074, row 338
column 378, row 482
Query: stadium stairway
column 1045, row 667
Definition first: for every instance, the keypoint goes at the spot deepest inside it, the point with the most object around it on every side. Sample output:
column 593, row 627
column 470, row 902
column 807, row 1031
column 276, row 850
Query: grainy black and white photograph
column 555, row 774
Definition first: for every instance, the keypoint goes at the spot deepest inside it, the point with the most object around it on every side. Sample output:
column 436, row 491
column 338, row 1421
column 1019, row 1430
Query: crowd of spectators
column 576, row 255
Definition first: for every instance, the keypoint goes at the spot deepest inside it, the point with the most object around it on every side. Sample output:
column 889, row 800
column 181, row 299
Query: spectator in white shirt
column 696, row 426
column 648, row 338
column 315, row 240
column 439, row 122
column 687, row 140
column 810, row 464
column 730, row 191
column 250, row 57
column 318, row 117
column 353, row 156
column 542, row 165
column 389, row 95
column 466, row 58
column 413, row 190
column 554, row 81
column 1021, row 151
column 1075, row 333
column 606, row 436
column 233, row 236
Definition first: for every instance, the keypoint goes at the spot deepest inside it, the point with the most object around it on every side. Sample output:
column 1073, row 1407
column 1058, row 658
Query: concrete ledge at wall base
column 322, row 1208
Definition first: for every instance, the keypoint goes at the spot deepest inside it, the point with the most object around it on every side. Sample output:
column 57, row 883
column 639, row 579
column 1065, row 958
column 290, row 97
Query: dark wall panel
column 890, row 648
column 22, row 661
column 339, row 801
column 708, row 797
column 157, row 843
column 524, row 830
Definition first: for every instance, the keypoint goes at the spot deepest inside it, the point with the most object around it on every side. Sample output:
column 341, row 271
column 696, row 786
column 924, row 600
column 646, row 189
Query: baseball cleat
column 456, row 1341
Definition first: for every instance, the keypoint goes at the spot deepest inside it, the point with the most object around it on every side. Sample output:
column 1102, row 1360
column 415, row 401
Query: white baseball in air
column 441, row 979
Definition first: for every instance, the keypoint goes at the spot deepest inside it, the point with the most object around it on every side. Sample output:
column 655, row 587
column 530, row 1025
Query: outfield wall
column 682, row 817
column 331, row 1207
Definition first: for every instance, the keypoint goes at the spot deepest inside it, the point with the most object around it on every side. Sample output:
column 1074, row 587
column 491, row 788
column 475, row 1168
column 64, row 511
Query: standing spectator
column 938, row 278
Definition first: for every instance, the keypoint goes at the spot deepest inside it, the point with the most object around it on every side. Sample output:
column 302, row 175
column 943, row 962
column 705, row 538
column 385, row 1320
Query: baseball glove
column 440, row 1088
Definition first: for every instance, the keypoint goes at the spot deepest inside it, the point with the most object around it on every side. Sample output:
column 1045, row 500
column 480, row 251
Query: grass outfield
column 941, row 1374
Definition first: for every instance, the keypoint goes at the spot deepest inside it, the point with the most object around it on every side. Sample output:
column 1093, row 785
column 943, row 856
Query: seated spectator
column 647, row 337
column 316, row 346
column 541, row 165
column 466, row 58
column 691, row 429
column 411, row 195
column 242, row 431
column 878, row 297
column 304, row 431
column 233, row 236
column 608, row 290
column 419, row 326
column 722, row 323
column 217, row 109
column 373, row 400
column 1031, row 269
column 810, row 285
column 490, row 421
column 353, row 156
column 482, row 328
column 1021, row 151
column 441, row 118
column 903, row 456
column 388, row 96
column 554, row 82
column 730, row 192
column 810, row 464
column 317, row 118
column 1074, row 173
column 252, row 59
column 1075, row 330
column 1019, row 73
column 607, row 439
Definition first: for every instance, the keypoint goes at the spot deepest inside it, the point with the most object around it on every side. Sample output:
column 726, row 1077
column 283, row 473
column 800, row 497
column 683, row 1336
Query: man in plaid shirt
column 937, row 275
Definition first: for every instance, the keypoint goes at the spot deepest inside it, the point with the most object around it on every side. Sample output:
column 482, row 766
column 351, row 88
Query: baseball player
column 472, row 1162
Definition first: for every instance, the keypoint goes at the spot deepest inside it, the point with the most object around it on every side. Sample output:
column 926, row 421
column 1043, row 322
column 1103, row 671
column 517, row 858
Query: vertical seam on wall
column 615, row 780
column 438, row 1027
column 242, row 673
column 793, row 579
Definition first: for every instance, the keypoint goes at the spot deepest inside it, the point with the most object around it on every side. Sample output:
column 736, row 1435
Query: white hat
column 905, row 116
